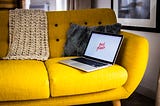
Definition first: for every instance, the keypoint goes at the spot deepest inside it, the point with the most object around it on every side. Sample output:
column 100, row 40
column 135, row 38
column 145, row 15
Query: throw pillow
column 78, row 36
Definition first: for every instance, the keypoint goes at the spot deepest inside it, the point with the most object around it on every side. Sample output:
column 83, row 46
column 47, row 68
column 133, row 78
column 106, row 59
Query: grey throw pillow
column 78, row 36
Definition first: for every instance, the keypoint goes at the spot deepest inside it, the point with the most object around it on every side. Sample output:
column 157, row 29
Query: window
column 48, row 5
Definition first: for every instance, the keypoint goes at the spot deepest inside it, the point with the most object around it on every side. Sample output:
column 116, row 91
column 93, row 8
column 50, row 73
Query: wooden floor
column 134, row 100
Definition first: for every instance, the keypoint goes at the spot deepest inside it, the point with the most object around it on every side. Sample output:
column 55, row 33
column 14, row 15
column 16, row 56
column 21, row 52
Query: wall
column 101, row 3
column 148, row 85
column 52, row 3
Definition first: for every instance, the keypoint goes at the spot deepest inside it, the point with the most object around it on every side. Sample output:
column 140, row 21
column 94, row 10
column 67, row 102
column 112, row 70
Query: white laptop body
column 102, row 49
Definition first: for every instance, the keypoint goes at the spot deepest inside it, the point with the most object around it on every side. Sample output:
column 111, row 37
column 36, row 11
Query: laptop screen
column 103, row 46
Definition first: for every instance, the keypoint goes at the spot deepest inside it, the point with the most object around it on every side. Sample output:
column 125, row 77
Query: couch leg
column 116, row 103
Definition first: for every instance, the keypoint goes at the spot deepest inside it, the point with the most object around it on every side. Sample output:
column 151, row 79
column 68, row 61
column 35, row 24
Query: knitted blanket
column 28, row 36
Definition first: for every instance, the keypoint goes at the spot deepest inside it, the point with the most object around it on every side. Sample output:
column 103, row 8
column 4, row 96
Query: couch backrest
column 4, row 16
column 58, row 24
column 60, row 21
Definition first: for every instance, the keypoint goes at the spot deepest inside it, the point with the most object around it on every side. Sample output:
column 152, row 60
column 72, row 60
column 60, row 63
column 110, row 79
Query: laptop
column 100, row 52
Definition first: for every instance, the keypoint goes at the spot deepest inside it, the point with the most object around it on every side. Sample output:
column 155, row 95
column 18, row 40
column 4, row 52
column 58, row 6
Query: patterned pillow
column 78, row 36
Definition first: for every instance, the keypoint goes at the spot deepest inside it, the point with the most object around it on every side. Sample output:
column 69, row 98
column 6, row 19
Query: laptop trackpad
column 78, row 65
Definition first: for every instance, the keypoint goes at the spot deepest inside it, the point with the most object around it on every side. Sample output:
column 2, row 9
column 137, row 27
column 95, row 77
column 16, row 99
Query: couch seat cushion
column 23, row 80
column 66, row 80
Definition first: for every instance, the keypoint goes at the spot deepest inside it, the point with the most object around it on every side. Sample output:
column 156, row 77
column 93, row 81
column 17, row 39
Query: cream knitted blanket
column 28, row 36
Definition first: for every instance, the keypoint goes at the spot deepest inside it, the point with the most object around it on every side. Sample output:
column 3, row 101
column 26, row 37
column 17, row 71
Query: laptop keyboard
column 89, row 62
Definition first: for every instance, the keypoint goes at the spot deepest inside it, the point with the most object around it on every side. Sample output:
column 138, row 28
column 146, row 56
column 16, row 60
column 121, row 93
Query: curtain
column 78, row 4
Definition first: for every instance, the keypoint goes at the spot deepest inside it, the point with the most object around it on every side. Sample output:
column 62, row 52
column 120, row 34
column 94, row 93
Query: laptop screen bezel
column 108, row 34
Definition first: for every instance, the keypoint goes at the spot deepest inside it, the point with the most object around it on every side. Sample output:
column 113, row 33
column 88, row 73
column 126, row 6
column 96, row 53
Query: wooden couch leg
column 116, row 103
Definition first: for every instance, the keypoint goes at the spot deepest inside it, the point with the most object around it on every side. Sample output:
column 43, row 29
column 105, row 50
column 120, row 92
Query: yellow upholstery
column 63, row 79
column 23, row 80
column 108, row 95
column 4, row 16
column 59, row 22
column 132, row 59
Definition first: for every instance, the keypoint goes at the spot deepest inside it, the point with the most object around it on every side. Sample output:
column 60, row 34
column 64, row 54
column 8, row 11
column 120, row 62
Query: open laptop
column 101, row 51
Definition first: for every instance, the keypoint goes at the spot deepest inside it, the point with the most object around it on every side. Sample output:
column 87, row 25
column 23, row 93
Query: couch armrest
column 134, row 57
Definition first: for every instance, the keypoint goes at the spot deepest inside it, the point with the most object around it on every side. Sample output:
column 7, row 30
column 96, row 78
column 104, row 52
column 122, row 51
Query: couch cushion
column 65, row 80
column 23, row 80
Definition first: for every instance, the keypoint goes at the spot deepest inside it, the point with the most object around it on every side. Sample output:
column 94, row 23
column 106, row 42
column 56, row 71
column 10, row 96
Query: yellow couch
column 37, row 83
